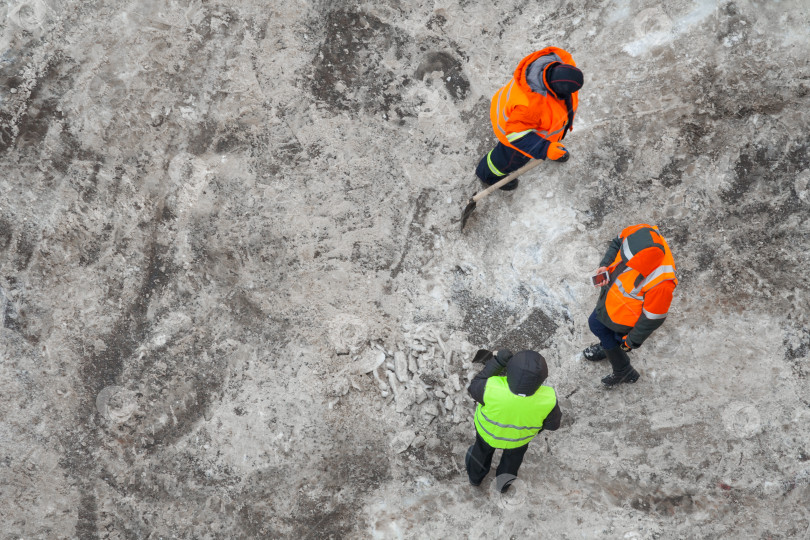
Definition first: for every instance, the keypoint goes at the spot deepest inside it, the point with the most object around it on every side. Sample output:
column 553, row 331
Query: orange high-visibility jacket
column 636, row 304
column 516, row 109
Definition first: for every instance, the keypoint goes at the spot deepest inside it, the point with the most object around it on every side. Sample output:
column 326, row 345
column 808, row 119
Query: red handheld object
column 600, row 279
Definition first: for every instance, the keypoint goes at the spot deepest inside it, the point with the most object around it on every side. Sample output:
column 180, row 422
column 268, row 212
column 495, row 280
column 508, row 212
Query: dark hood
column 525, row 372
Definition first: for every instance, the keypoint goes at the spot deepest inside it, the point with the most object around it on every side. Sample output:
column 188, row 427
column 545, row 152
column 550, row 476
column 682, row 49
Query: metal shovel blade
column 466, row 213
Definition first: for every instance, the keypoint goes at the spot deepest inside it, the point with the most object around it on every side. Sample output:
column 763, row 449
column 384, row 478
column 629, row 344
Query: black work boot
column 510, row 185
column 622, row 370
column 504, row 481
column 594, row 353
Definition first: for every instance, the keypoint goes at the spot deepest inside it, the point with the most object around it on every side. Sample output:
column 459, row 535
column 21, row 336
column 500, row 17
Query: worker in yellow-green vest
column 511, row 410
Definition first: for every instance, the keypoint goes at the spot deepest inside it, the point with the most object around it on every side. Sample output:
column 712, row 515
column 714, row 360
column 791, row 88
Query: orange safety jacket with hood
column 516, row 109
column 642, row 278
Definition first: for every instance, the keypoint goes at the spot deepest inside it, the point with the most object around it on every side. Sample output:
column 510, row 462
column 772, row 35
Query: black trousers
column 480, row 462
column 507, row 159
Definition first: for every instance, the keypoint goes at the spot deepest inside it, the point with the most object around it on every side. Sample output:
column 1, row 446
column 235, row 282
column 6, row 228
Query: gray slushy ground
column 236, row 301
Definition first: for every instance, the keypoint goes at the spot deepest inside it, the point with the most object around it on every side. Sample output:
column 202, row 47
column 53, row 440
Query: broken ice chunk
column 368, row 361
column 380, row 384
column 404, row 399
column 442, row 346
column 430, row 409
column 392, row 382
column 420, row 394
column 401, row 366
column 413, row 367
column 402, row 441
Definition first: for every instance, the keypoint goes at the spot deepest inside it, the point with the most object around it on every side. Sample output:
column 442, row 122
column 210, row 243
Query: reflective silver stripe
column 497, row 120
column 626, row 249
column 504, row 438
column 509, row 89
column 545, row 134
column 633, row 294
column 506, row 425
column 513, row 136
column 653, row 275
column 503, row 109
column 653, row 315
column 517, row 135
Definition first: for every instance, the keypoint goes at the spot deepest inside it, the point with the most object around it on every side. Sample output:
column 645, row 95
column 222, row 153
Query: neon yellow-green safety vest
column 507, row 420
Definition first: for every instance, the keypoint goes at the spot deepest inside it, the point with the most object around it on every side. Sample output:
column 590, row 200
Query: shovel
column 481, row 194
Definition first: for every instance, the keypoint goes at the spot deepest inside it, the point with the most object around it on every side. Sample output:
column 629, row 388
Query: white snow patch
column 656, row 28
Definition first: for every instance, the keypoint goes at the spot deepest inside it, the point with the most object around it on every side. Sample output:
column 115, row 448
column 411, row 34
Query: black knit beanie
column 564, row 79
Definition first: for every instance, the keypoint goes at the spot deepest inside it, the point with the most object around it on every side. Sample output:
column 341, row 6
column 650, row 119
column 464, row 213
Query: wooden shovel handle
column 529, row 166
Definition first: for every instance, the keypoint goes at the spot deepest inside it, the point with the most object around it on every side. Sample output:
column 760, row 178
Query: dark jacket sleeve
column 612, row 250
column 533, row 144
column 479, row 383
column 552, row 421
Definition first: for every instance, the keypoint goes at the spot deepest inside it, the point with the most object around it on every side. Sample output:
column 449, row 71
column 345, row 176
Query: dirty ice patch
column 653, row 27
column 725, row 353
column 250, row 428
column 422, row 509
column 553, row 252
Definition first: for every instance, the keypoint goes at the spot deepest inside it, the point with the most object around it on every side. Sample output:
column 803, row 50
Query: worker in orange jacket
column 634, row 300
column 532, row 114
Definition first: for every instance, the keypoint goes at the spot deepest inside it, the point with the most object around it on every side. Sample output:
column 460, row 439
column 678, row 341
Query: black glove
column 626, row 345
column 503, row 356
